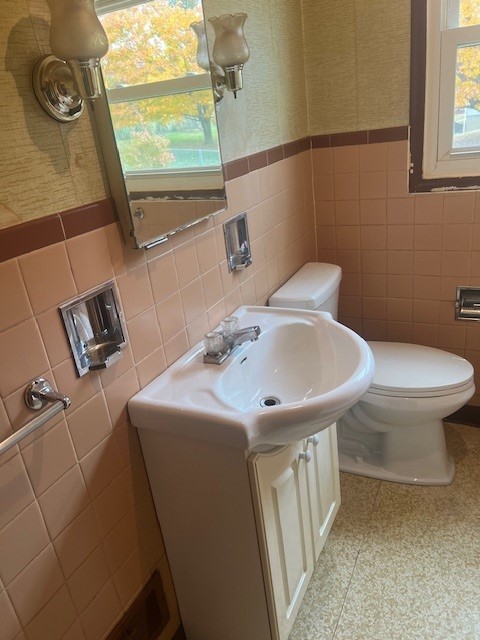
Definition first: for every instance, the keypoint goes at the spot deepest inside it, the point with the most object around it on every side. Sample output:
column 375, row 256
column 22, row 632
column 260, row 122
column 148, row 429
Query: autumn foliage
column 468, row 60
column 152, row 42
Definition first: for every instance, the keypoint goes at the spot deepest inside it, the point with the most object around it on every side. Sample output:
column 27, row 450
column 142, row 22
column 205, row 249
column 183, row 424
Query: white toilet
column 395, row 432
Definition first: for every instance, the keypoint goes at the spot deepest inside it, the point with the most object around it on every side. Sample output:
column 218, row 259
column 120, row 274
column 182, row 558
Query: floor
column 402, row 562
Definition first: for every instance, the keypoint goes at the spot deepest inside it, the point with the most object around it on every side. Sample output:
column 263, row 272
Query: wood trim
column 468, row 414
column 418, row 58
column 42, row 232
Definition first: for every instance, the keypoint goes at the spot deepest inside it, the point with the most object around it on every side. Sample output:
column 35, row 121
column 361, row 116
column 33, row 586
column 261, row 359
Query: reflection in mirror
column 157, row 125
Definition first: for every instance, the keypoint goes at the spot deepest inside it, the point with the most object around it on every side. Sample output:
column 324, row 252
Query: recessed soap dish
column 95, row 328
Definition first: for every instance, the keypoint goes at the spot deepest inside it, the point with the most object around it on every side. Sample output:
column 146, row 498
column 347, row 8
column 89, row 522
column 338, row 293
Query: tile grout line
column 356, row 561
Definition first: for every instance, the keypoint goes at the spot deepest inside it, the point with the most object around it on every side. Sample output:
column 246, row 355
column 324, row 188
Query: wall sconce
column 230, row 52
column 203, row 61
column 64, row 80
column 230, row 49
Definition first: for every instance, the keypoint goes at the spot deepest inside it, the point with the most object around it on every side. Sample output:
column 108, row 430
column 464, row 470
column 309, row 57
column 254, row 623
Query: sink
column 302, row 374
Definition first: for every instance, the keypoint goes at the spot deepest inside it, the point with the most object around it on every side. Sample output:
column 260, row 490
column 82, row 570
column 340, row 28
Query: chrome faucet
column 227, row 343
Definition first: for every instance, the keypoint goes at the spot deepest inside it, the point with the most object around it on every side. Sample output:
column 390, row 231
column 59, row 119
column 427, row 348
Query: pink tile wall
column 402, row 255
column 78, row 530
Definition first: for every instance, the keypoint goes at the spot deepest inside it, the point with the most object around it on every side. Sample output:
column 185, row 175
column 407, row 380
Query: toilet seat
column 415, row 371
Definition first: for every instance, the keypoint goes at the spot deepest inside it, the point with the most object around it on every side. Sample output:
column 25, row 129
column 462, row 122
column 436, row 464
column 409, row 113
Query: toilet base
column 373, row 469
column 411, row 454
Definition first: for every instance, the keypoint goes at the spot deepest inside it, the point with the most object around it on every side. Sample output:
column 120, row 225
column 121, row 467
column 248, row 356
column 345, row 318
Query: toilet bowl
column 395, row 432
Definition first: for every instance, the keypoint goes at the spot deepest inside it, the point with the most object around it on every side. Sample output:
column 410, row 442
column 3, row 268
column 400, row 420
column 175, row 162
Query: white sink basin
column 314, row 366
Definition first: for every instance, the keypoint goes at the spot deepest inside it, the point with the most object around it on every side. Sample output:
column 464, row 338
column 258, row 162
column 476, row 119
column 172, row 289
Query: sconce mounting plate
column 55, row 89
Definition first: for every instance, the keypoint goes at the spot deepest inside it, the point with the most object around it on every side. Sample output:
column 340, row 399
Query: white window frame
column 159, row 89
column 440, row 159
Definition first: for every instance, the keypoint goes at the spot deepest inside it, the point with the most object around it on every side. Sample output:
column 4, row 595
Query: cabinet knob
column 305, row 455
column 314, row 439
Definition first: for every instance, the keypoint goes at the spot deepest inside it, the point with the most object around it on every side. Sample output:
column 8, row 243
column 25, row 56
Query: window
column 160, row 100
column 446, row 145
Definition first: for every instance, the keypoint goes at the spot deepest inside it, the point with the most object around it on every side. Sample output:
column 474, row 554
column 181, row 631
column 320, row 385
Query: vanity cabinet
column 242, row 530
column 296, row 494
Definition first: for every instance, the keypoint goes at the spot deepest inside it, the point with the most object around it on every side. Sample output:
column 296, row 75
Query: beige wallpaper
column 354, row 54
column 45, row 167
column 271, row 109
column 357, row 57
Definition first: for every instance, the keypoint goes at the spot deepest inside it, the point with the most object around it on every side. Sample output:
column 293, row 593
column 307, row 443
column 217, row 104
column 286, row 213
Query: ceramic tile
column 21, row 540
column 77, row 541
column 54, row 619
column 64, row 501
column 38, row 266
column 19, row 495
column 48, row 458
column 144, row 334
column 23, row 356
column 10, row 623
column 135, row 290
column 38, row 582
column 89, row 424
column 90, row 259
column 101, row 612
column 88, row 579
column 12, row 289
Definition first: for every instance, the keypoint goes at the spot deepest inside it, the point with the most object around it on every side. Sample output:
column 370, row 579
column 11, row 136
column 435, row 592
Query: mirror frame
column 103, row 126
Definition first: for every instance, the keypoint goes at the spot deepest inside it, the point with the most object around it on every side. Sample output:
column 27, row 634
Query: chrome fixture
column 237, row 243
column 467, row 305
column 95, row 328
column 38, row 394
column 230, row 52
column 220, row 344
column 64, row 80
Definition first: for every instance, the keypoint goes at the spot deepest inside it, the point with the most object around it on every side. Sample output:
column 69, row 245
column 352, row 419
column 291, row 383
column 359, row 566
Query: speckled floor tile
column 322, row 605
column 402, row 561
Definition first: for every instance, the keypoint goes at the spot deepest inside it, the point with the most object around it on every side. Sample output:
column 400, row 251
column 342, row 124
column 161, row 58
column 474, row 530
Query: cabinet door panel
column 323, row 486
column 281, row 491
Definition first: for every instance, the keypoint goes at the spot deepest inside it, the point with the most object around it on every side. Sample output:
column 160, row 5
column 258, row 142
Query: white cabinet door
column 323, row 485
column 280, row 489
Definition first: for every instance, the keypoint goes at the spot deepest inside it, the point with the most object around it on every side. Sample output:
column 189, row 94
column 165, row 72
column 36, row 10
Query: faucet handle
column 229, row 325
column 214, row 343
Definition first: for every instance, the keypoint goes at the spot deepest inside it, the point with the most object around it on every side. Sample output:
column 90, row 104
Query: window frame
column 431, row 103
column 159, row 89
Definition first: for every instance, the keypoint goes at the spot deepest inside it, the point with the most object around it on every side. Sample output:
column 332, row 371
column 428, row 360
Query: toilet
column 395, row 432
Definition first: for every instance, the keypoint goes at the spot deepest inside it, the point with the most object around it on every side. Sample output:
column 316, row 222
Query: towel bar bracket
column 39, row 393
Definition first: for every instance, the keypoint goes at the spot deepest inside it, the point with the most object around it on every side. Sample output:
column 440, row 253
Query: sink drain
column 269, row 401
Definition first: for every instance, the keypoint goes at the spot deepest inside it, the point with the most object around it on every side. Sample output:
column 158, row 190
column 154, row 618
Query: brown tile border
column 87, row 218
column 372, row 136
column 29, row 236
column 348, row 138
column 392, row 134
column 36, row 234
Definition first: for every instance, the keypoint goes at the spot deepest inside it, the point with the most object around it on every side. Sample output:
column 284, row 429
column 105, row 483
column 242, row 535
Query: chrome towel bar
column 38, row 394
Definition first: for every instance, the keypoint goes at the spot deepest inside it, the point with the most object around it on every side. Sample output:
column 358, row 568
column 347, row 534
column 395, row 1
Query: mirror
column 156, row 120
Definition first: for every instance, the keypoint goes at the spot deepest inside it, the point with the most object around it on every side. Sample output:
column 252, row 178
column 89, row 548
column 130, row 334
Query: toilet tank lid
column 309, row 288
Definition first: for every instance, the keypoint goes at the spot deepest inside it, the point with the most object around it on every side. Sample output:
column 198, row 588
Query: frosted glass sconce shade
column 72, row 74
column 203, row 60
column 230, row 50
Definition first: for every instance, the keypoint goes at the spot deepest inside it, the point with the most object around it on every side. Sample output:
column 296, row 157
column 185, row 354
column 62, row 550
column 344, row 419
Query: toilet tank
column 315, row 286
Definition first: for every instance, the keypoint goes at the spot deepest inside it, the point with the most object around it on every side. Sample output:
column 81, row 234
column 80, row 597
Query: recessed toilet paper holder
column 467, row 305
column 95, row 328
